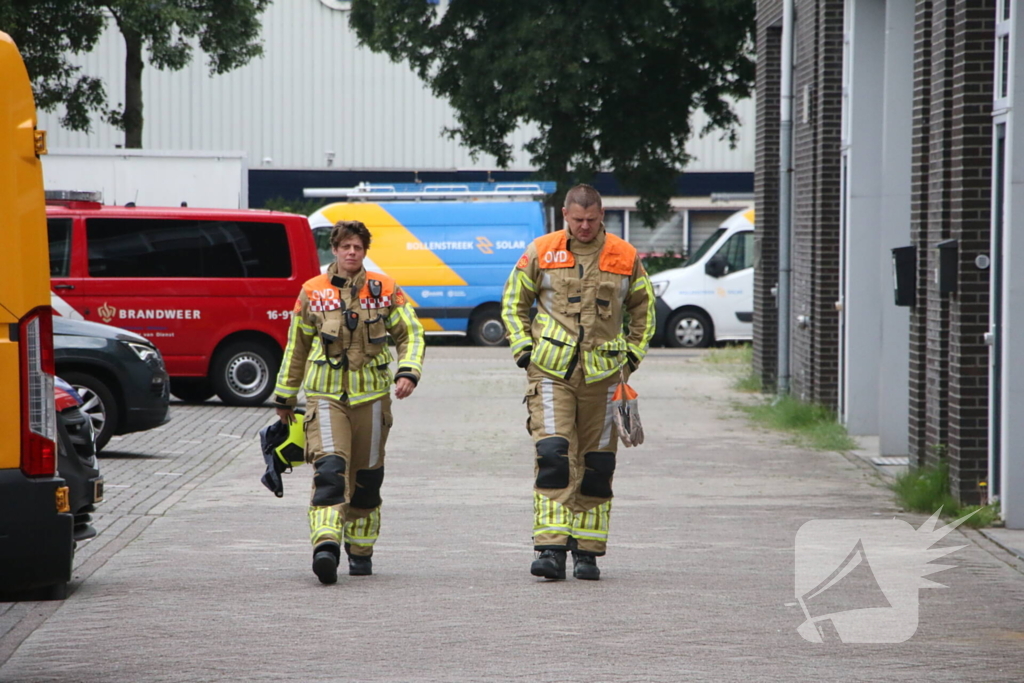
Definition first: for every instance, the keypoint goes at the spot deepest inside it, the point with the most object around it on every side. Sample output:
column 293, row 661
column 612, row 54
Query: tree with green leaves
column 50, row 32
column 609, row 85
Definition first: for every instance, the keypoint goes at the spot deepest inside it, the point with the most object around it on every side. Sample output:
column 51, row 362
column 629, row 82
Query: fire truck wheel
column 244, row 372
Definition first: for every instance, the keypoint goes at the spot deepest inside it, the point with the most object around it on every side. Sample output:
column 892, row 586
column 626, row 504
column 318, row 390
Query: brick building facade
column 949, row 161
column 817, row 87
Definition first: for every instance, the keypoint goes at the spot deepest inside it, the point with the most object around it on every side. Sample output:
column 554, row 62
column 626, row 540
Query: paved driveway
column 201, row 574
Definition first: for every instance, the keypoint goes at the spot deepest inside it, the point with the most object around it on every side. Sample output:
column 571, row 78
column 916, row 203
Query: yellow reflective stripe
column 640, row 283
column 510, row 301
column 309, row 329
column 550, row 517
column 357, row 399
column 525, row 281
column 598, row 535
column 552, row 356
column 294, row 330
column 324, row 521
column 593, row 523
column 600, row 362
column 416, row 343
column 640, row 350
column 364, row 531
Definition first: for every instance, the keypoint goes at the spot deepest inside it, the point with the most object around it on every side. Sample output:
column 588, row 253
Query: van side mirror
column 716, row 266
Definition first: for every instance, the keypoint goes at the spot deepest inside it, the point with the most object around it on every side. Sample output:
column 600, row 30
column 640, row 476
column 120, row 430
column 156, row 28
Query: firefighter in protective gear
column 584, row 282
column 338, row 353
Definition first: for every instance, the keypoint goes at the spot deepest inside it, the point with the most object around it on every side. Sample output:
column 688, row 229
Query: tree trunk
column 132, row 89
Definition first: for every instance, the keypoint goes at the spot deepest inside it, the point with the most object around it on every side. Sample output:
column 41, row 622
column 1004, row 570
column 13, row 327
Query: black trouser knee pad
column 553, row 463
column 597, row 479
column 367, row 493
column 329, row 481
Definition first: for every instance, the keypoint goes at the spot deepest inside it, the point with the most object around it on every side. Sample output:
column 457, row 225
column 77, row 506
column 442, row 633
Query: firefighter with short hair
column 338, row 354
column 584, row 282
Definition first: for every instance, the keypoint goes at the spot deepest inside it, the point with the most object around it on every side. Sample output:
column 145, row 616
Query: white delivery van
column 711, row 298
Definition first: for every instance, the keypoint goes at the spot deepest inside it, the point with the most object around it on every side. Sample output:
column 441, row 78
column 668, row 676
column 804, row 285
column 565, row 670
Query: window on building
column 143, row 247
column 614, row 222
column 59, row 232
column 702, row 225
column 666, row 236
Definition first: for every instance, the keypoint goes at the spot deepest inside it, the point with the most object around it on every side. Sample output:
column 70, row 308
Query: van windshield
column 322, row 237
column 708, row 243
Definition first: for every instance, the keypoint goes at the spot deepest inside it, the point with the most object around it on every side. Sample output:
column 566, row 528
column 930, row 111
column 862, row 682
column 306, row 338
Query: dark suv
column 120, row 376
column 76, row 461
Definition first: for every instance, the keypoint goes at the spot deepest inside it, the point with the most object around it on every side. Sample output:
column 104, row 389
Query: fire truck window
column 59, row 231
column 153, row 247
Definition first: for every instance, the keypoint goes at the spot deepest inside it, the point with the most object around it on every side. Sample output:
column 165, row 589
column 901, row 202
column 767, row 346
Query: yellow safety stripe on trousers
column 593, row 523
column 605, row 360
column 413, row 357
column 554, row 349
column 294, row 330
column 550, row 517
column 363, row 531
column 518, row 336
column 324, row 521
column 640, row 350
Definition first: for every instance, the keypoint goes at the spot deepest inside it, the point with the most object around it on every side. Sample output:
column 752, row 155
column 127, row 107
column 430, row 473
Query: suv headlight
column 144, row 351
column 660, row 287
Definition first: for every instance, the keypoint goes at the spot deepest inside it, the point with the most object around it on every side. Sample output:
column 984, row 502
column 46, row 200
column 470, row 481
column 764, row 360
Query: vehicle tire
column 690, row 329
column 98, row 404
column 192, row 389
column 244, row 373
column 486, row 327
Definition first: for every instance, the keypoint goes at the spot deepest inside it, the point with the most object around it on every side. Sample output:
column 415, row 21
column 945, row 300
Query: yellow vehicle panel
column 25, row 276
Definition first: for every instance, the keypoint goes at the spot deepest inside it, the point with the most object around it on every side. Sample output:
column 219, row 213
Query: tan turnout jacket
column 328, row 358
column 583, row 293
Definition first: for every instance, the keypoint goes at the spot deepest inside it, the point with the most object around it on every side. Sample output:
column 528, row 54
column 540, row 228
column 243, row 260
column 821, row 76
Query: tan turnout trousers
column 575, row 438
column 346, row 446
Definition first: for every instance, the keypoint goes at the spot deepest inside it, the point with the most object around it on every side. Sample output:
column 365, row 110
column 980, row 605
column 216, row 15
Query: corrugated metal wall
column 313, row 91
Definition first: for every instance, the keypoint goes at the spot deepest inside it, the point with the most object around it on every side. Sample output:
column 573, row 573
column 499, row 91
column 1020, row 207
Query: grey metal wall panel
column 315, row 91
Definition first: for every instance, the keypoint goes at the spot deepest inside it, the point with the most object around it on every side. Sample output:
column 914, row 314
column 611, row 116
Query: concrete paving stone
column 697, row 585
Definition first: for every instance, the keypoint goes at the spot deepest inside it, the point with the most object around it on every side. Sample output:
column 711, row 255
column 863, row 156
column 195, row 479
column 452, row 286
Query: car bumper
column 661, row 313
column 151, row 393
column 36, row 541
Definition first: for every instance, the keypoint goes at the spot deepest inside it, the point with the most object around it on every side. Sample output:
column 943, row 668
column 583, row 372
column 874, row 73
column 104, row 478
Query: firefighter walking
column 584, row 282
column 338, row 354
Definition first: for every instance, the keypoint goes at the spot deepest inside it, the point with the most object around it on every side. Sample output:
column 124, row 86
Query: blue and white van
column 451, row 248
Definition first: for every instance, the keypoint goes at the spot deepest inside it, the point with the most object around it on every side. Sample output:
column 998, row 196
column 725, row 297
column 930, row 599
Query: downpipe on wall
column 785, row 196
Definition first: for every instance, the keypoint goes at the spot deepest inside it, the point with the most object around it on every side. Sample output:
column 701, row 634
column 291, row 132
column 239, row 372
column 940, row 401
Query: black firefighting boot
column 358, row 565
column 584, row 566
column 325, row 562
column 550, row 564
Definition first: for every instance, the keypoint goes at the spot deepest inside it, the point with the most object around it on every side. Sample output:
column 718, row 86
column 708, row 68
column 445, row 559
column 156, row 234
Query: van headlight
column 143, row 351
column 660, row 287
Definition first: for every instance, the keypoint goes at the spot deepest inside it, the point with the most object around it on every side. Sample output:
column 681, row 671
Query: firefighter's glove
column 283, row 447
column 524, row 358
